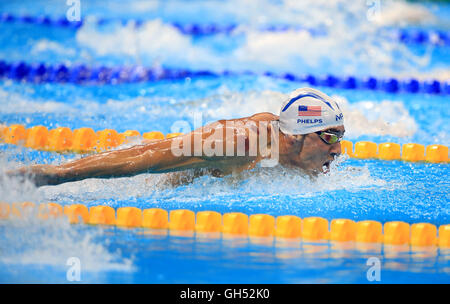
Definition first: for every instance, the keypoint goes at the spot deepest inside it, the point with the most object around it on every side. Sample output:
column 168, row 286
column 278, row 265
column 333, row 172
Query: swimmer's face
column 316, row 155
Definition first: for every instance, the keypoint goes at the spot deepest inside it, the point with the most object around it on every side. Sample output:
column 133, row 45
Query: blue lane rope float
column 97, row 75
column 417, row 36
column 40, row 20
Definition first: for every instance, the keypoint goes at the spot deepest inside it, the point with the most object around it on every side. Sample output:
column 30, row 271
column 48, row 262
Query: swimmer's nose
column 335, row 149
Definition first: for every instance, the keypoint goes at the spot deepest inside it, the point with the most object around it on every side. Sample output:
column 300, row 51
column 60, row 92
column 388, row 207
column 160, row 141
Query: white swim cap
column 307, row 111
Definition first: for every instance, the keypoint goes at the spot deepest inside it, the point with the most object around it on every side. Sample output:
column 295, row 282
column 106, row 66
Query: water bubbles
column 31, row 241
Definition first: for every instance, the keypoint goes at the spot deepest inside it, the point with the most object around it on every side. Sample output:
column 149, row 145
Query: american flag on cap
column 309, row 111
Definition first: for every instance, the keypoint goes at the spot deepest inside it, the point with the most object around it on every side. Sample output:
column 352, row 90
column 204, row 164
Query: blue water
column 33, row 251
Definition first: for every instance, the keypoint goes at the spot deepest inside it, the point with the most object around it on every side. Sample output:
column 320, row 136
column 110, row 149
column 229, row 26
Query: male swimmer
column 306, row 135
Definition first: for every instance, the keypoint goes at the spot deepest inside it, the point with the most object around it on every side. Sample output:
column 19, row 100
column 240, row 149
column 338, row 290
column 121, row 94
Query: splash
column 400, row 13
column 30, row 241
column 374, row 118
column 153, row 42
column 52, row 47
column 17, row 103
column 385, row 118
column 366, row 117
column 11, row 189
column 348, row 27
column 173, row 186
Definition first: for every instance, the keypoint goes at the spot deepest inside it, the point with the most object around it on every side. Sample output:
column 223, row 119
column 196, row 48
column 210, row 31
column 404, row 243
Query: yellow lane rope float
column 240, row 224
column 86, row 140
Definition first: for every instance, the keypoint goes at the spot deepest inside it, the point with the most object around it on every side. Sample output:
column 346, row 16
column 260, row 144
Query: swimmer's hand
column 39, row 175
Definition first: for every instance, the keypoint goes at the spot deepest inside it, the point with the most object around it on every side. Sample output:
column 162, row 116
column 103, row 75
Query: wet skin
column 314, row 154
column 306, row 152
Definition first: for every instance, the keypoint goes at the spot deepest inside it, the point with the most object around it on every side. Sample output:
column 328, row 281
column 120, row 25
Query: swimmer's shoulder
column 264, row 116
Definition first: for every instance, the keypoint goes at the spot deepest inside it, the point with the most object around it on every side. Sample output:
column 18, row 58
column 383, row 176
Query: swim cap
column 307, row 111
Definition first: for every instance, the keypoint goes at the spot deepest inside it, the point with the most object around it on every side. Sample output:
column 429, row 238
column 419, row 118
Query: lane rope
column 239, row 224
column 82, row 74
column 86, row 140
column 404, row 35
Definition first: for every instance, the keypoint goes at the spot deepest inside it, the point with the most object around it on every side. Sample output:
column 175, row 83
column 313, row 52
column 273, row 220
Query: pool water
column 37, row 251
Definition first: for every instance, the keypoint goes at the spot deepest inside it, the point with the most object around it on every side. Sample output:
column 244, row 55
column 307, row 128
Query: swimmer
column 306, row 136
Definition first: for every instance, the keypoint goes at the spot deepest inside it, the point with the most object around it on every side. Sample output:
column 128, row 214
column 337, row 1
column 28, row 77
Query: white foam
column 282, row 51
column 45, row 45
column 353, row 43
column 365, row 117
column 30, row 241
column 400, row 13
column 12, row 190
column 265, row 181
column 95, row 189
column 154, row 41
column 257, row 183
column 12, row 102
column 376, row 118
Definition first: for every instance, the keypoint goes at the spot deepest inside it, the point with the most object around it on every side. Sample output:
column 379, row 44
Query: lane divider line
column 404, row 35
column 239, row 224
column 81, row 74
column 86, row 140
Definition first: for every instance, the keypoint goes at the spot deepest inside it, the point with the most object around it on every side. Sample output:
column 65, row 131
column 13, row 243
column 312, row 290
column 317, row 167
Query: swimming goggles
column 329, row 138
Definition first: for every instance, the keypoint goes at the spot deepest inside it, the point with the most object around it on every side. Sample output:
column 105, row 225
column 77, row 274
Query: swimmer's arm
column 153, row 158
